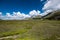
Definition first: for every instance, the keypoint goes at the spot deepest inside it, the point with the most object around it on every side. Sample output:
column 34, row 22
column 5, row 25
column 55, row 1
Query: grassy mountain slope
column 53, row 15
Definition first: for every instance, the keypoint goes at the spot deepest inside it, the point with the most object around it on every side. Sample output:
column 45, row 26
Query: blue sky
column 22, row 9
column 24, row 6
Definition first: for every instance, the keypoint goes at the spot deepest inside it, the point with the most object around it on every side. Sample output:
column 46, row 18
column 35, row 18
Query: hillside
column 53, row 15
column 30, row 29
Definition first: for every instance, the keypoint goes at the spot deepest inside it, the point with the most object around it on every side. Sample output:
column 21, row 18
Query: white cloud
column 52, row 4
column 14, row 16
column 34, row 13
column 8, row 15
column 0, row 13
column 19, row 15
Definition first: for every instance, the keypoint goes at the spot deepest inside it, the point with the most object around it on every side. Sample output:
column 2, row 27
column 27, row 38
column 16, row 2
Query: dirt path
column 14, row 37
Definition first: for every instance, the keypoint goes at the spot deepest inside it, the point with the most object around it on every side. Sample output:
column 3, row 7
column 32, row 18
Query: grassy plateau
column 30, row 29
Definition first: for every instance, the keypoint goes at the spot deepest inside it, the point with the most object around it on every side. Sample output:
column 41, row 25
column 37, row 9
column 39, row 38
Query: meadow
column 30, row 29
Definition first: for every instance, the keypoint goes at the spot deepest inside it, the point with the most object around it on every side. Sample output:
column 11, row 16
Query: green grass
column 31, row 29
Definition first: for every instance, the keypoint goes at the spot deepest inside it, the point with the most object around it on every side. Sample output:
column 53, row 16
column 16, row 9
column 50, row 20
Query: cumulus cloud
column 52, row 4
column 19, row 15
column 14, row 16
column 8, row 15
column 34, row 13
